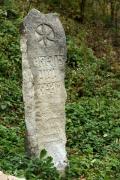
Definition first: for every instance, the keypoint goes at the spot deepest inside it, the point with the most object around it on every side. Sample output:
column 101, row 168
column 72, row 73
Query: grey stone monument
column 43, row 46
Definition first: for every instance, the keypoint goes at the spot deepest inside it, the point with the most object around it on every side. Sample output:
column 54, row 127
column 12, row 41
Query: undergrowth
column 92, row 110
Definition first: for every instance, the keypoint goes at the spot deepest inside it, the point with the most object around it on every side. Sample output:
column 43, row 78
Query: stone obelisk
column 43, row 46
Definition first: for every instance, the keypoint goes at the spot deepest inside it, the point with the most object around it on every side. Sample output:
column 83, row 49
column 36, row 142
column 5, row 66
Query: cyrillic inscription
column 43, row 48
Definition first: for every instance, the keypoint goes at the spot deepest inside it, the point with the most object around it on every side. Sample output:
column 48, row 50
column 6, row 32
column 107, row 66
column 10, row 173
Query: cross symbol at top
column 45, row 33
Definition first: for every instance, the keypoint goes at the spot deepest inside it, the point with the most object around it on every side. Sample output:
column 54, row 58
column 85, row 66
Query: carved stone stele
column 43, row 46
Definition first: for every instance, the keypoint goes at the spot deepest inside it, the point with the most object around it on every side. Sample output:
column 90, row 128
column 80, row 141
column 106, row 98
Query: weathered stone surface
column 43, row 47
column 8, row 177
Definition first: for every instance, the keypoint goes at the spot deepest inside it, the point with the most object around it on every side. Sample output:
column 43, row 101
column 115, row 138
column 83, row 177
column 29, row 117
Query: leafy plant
column 92, row 108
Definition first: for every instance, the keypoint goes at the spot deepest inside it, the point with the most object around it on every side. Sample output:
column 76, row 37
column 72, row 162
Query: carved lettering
column 49, row 62
column 43, row 48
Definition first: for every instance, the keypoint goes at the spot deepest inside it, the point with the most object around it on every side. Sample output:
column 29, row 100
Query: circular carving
column 45, row 34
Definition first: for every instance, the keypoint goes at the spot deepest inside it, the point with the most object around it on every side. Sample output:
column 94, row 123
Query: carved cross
column 45, row 33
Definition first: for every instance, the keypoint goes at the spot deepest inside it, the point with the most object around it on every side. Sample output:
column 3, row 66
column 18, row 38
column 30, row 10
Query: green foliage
column 92, row 108
column 9, row 46
column 20, row 165
column 93, row 123
column 93, row 137
column 41, row 168
column 88, row 75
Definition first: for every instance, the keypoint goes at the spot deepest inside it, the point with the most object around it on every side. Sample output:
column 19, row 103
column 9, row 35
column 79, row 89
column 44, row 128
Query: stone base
column 58, row 153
